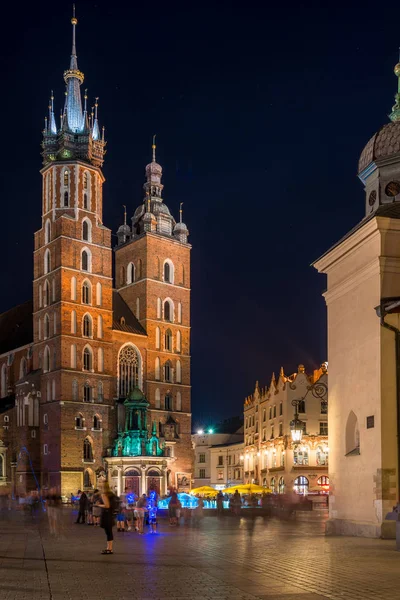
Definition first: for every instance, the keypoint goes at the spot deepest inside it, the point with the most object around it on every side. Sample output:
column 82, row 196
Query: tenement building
column 271, row 458
column 363, row 299
column 95, row 377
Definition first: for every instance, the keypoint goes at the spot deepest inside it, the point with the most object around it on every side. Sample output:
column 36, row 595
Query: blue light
column 211, row 431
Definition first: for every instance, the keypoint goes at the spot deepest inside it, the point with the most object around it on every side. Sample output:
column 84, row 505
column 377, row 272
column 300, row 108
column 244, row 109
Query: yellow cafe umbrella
column 205, row 490
column 248, row 488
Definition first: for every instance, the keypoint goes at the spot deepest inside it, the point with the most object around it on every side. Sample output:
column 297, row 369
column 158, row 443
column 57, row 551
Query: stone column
column 143, row 480
column 119, row 481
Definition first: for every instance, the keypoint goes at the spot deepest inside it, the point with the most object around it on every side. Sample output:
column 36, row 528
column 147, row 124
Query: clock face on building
column 392, row 189
column 372, row 198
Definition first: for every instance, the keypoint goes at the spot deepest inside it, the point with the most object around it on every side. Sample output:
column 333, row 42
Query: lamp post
column 318, row 390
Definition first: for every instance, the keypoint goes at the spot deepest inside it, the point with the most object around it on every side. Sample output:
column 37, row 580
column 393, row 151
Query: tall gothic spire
column 73, row 79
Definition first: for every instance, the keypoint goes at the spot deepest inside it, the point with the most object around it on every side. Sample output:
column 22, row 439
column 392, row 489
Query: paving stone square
column 223, row 559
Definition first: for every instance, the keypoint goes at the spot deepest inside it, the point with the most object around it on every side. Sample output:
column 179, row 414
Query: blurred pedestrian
column 96, row 510
column 82, row 507
column 53, row 504
column 107, row 504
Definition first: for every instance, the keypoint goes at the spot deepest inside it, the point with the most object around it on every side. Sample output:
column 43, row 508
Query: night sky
column 261, row 111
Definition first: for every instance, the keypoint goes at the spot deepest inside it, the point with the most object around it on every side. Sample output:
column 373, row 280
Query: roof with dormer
column 123, row 317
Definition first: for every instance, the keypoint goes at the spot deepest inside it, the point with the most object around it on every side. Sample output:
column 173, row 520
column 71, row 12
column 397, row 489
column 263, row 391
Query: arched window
column 47, row 232
column 168, row 340
column 73, row 321
column 46, row 290
column 168, row 271
column 85, row 201
column 100, row 360
column 79, row 421
column 129, row 369
column 53, row 286
column 158, row 308
column 99, row 326
column 300, row 455
column 158, row 340
column 157, row 399
column 47, row 193
column 168, row 372
column 3, row 380
column 53, row 389
column 66, row 178
column 40, row 328
column 55, row 324
column 66, row 199
column 168, row 402
column 73, row 356
column 168, row 310
column 352, row 435
column 180, row 312
column 179, row 375
column 87, row 359
column 87, row 451
column 23, row 367
column 75, row 390
column 99, row 294
column 87, row 326
column 96, row 422
column 321, row 456
column 281, row 485
column 85, row 180
column 86, row 292
column 86, row 231
column 130, row 273
column 301, row 485
column 46, row 359
column 73, row 288
column 157, row 369
column 323, row 480
column 100, row 392
column 87, row 392
column 273, row 485
column 47, row 261
column 86, row 190
column 86, row 260
column 46, row 328
column 178, row 401
column 178, row 341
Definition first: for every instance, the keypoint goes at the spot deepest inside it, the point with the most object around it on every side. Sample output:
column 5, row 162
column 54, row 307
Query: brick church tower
column 153, row 277
column 72, row 290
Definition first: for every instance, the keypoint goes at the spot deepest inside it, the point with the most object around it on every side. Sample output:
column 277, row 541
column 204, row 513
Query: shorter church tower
column 153, row 277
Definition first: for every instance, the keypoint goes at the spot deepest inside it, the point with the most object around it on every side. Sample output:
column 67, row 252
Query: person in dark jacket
column 83, row 502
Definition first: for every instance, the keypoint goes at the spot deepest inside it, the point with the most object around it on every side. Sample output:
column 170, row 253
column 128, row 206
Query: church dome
column 180, row 227
column 385, row 143
column 124, row 229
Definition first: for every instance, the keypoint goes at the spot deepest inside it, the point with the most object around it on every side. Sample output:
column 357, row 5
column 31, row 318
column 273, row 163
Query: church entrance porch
column 138, row 475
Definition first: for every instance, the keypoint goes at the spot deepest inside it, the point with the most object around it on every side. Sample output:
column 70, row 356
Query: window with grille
column 128, row 370
column 87, row 326
column 86, row 293
column 87, row 360
column 220, row 460
column 323, row 428
column 202, row 458
column 202, row 473
column 87, row 393
column 87, row 451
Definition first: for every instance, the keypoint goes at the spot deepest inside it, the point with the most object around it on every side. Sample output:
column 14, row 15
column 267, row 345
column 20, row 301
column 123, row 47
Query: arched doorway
column 132, row 478
column 154, row 481
column 281, row 485
column 301, row 485
column 88, row 479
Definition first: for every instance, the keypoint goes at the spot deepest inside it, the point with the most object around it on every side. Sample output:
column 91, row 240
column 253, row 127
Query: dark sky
column 261, row 111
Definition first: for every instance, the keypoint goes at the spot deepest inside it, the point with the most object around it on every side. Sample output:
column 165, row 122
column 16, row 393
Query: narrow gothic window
column 66, row 178
column 87, row 393
column 178, row 401
column 85, row 260
column 87, row 450
column 100, row 326
column 85, row 181
column 100, row 392
column 168, row 402
column 167, row 273
column 167, row 311
column 66, row 199
column 167, row 371
column 179, row 373
column 86, row 293
column 87, row 326
column 157, row 368
column 157, row 398
column 130, row 273
column 85, row 233
column 46, row 359
column 46, row 326
column 128, row 370
column 157, row 338
column 74, row 390
column 46, row 293
column 79, row 421
column 73, row 356
column 73, row 288
column 73, row 321
column 178, row 341
column 87, row 359
column 168, row 340
column 47, row 262
column 85, row 201
column 100, row 360
column 47, row 233
column 98, row 294
column 96, row 422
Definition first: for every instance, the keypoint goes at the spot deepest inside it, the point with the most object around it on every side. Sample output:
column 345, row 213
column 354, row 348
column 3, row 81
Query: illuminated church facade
column 95, row 372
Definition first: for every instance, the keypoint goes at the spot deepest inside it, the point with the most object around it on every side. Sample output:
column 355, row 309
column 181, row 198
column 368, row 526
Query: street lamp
column 296, row 426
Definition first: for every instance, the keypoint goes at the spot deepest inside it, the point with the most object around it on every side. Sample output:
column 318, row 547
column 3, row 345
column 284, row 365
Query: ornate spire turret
column 395, row 114
column 124, row 231
column 79, row 136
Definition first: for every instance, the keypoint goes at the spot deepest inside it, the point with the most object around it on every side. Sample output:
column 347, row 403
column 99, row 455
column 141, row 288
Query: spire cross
column 154, row 148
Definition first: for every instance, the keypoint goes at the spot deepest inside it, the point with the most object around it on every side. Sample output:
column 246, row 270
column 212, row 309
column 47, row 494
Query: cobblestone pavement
column 223, row 559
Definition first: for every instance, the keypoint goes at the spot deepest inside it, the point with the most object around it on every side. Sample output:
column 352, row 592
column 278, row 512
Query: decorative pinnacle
column 180, row 212
column 96, row 105
column 74, row 22
column 85, row 97
column 154, row 148
column 124, row 214
column 395, row 114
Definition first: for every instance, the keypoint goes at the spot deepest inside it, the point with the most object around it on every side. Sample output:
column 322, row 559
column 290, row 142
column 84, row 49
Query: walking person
column 82, row 507
column 53, row 505
column 220, row 505
column 173, row 507
column 140, row 513
column 96, row 511
column 107, row 504
column 152, row 508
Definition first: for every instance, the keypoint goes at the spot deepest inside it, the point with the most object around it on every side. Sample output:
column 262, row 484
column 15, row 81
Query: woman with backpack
column 107, row 504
